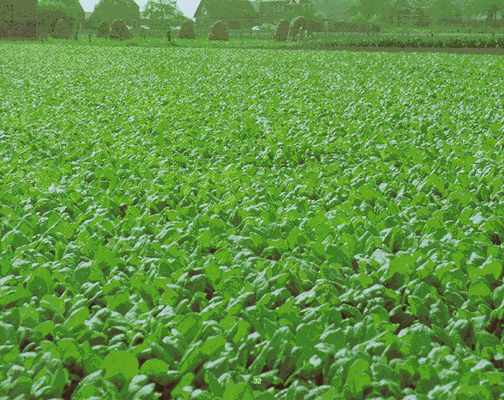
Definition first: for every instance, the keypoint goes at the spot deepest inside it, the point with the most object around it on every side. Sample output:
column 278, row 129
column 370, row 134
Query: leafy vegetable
column 240, row 224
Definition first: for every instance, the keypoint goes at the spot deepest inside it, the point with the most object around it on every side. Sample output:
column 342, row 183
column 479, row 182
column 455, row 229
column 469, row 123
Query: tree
column 256, row 4
column 440, row 10
column 52, row 6
column 332, row 10
column 490, row 8
column 161, row 13
column 109, row 10
column 50, row 12
column 370, row 11
column 71, row 8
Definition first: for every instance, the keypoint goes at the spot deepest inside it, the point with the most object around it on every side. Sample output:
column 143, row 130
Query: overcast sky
column 188, row 7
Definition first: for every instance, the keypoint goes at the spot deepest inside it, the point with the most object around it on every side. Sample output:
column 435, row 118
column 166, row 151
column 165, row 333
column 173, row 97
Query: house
column 236, row 14
column 272, row 11
column 18, row 19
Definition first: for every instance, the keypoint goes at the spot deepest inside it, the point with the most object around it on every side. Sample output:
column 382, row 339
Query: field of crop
column 250, row 224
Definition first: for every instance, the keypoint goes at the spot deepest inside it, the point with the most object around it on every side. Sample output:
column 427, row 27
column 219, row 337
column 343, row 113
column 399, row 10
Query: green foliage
column 109, row 10
column 370, row 10
column 326, row 241
column 443, row 10
column 161, row 13
column 51, row 5
column 51, row 12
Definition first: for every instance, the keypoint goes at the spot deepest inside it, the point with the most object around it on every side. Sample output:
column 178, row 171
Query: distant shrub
column 282, row 31
column 299, row 25
column 119, row 30
column 62, row 30
column 103, row 30
column 219, row 32
column 187, row 31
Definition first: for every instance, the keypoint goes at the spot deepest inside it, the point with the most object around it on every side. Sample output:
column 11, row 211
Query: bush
column 282, row 31
column 62, row 30
column 119, row 30
column 103, row 30
column 219, row 32
column 187, row 31
column 299, row 25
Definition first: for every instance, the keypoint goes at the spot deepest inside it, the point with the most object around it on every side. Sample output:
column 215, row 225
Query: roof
column 226, row 9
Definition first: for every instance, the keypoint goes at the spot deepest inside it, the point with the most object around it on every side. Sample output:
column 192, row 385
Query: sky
column 188, row 7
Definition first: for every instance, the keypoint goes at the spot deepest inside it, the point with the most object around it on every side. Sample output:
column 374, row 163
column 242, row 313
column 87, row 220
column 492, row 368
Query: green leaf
column 358, row 378
column 93, row 363
column 205, row 238
column 334, row 253
column 490, row 268
column 120, row 366
column 14, row 297
column 240, row 391
column 215, row 387
column 40, row 282
column 293, row 237
column 187, row 380
column 156, row 370
column 473, row 392
column 70, row 351
column 77, row 318
column 28, row 316
column 145, row 393
column 480, row 290
column 213, row 345
column 401, row 265
column 45, row 328
column 104, row 256
column 364, row 280
column 58, row 380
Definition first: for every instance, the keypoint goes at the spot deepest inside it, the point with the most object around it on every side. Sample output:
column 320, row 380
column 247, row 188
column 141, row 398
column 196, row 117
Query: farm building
column 236, row 14
column 273, row 10
column 18, row 19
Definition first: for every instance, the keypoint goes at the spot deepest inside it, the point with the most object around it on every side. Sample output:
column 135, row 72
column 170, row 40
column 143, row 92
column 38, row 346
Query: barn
column 18, row 19
column 236, row 14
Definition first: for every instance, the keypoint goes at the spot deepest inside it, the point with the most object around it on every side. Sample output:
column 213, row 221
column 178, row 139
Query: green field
column 184, row 223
